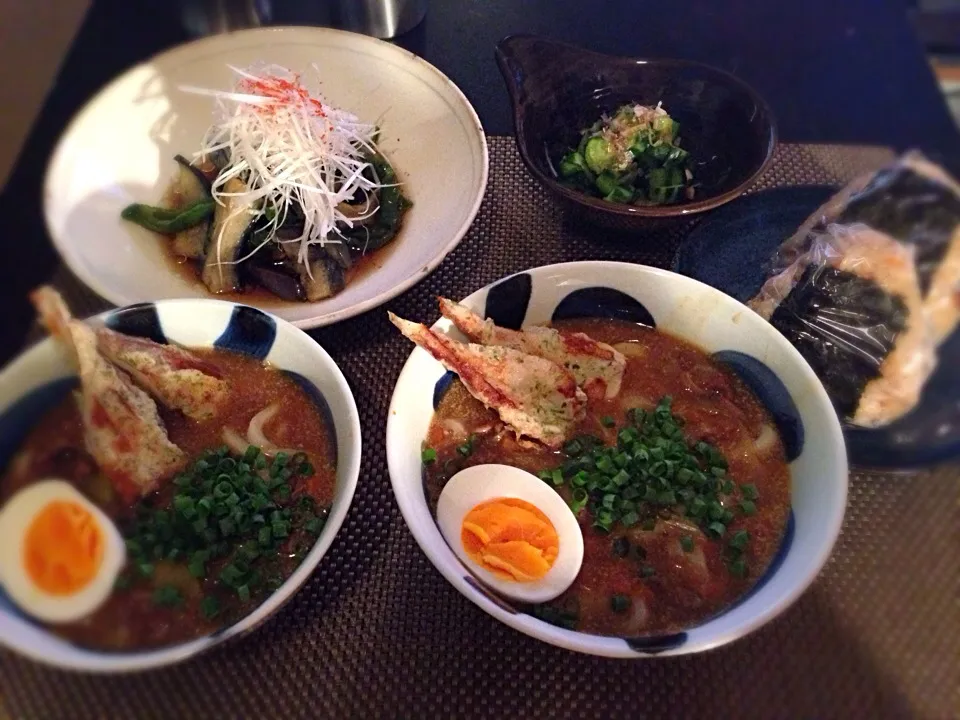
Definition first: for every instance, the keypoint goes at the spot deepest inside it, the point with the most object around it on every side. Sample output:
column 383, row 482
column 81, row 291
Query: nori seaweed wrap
column 915, row 203
column 851, row 304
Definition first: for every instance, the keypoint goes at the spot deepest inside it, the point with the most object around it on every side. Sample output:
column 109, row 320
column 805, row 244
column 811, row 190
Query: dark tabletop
column 849, row 72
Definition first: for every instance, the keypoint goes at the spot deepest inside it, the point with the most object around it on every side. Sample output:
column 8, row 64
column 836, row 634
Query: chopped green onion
column 573, row 448
column 313, row 526
column 231, row 575
column 209, row 607
column 621, row 547
column 740, row 539
column 620, row 603
column 167, row 596
column 738, row 567
column 578, row 500
column 716, row 529
column 122, row 582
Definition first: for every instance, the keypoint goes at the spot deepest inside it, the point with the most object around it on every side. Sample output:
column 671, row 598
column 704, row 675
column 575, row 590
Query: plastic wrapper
column 914, row 202
column 851, row 304
column 869, row 286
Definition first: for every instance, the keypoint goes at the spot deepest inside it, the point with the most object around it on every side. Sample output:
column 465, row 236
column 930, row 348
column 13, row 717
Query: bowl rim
column 123, row 662
column 92, row 280
column 636, row 211
column 588, row 643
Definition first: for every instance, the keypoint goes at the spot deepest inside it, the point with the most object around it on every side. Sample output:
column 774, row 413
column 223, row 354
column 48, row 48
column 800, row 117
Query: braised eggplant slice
column 225, row 245
column 277, row 279
column 200, row 184
column 326, row 277
column 191, row 185
column 190, row 243
column 235, row 244
column 340, row 253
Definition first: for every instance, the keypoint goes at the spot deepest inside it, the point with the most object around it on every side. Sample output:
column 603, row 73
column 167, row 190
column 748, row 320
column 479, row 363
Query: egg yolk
column 510, row 538
column 63, row 548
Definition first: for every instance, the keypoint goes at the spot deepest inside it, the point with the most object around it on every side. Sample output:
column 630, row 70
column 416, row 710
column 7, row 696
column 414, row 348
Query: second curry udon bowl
column 43, row 377
column 733, row 337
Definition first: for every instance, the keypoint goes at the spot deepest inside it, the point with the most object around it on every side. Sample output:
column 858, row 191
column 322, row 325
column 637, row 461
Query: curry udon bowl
column 734, row 341
column 43, row 376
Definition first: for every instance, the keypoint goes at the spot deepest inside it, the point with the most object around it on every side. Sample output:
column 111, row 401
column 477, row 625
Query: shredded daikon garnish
column 290, row 147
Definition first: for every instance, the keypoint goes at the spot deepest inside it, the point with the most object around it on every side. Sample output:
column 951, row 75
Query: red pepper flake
column 282, row 92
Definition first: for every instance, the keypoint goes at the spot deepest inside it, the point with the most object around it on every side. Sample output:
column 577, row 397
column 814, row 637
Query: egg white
column 477, row 484
column 15, row 518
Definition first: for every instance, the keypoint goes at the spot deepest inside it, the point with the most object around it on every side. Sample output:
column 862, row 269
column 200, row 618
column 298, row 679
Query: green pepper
column 640, row 145
column 600, row 167
column 665, row 184
column 599, row 154
column 666, row 128
column 572, row 164
column 619, row 194
column 678, row 156
column 657, row 179
column 607, row 183
column 661, row 152
column 167, row 220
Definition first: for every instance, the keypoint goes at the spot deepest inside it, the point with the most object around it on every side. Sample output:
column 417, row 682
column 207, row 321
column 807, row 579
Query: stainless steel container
column 209, row 17
column 380, row 18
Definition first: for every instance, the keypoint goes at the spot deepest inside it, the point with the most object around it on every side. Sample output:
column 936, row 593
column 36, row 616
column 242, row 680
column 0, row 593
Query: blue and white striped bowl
column 40, row 377
column 729, row 331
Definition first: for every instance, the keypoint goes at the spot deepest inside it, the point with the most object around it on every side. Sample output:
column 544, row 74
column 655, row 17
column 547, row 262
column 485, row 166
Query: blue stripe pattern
column 603, row 302
column 140, row 320
column 250, row 332
column 772, row 393
column 508, row 300
column 320, row 402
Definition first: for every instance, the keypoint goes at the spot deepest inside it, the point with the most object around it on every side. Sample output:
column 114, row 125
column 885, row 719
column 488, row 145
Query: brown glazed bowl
column 557, row 90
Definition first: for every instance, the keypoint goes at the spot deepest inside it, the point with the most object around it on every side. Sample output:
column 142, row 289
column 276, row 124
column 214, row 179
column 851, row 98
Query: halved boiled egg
column 59, row 553
column 512, row 530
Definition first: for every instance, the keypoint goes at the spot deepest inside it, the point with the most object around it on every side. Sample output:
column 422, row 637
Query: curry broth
column 130, row 619
column 684, row 587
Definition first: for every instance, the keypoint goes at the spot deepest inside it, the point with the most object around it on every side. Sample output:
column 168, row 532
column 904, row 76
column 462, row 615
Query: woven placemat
column 377, row 632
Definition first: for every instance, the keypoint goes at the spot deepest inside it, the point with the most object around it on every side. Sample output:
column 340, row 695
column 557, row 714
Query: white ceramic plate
column 120, row 147
column 729, row 331
column 40, row 377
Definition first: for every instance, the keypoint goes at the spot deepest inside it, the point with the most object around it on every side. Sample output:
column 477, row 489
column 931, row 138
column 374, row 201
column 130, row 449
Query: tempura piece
column 596, row 366
column 122, row 428
column 534, row 396
column 174, row 376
